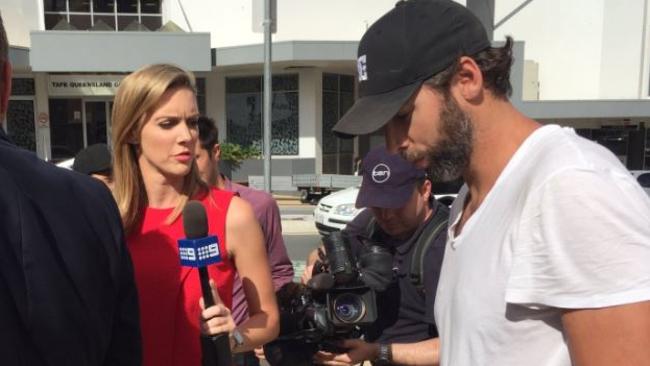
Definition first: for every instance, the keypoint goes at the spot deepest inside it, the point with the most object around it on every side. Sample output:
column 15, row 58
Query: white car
column 643, row 177
column 335, row 210
column 66, row 164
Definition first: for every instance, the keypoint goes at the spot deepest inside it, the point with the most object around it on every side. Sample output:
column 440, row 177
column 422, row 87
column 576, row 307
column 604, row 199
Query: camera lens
column 349, row 308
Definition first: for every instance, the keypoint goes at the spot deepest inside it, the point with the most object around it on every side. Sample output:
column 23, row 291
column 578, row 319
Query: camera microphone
column 200, row 250
column 339, row 258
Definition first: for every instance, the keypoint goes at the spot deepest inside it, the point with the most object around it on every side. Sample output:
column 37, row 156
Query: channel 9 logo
column 199, row 252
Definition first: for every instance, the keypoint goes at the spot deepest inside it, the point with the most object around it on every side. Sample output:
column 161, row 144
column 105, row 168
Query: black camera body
column 350, row 302
column 336, row 304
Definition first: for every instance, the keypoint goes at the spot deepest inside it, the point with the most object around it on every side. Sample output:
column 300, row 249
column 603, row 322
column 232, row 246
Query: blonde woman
column 154, row 137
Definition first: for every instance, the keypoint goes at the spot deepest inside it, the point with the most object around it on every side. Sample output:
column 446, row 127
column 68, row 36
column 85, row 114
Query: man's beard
column 450, row 156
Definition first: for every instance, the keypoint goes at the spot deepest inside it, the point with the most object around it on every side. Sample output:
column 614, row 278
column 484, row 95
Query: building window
column 200, row 94
column 244, row 112
column 338, row 97
column 20, row 113
column 103, row 15
column 22, row 86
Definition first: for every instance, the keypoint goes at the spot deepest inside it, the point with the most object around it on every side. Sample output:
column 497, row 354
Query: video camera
column 336, row 304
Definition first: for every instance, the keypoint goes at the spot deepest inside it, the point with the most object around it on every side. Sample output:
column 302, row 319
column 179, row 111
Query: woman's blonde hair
column 135, row 101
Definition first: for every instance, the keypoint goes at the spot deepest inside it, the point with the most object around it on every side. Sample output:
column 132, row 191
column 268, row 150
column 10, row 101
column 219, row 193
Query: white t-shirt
column 565, row 226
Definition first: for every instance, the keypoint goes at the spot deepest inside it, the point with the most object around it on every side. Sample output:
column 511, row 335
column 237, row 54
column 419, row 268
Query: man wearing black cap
column 96, row 161
column 402, row 216
column 67, row 293
column 547, row 263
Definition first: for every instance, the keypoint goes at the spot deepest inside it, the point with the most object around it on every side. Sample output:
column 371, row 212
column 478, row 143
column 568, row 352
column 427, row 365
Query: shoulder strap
column 437, row 224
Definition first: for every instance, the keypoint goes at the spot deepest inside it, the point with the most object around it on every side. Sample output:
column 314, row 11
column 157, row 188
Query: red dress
column 168, row 293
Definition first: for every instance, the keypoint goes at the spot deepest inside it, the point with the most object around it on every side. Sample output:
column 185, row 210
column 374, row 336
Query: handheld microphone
column 199, row 250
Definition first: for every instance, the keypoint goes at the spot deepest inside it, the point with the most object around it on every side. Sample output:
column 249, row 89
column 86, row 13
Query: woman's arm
column 246, row 248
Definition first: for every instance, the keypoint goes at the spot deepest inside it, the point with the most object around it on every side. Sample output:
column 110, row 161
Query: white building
column 587, row 65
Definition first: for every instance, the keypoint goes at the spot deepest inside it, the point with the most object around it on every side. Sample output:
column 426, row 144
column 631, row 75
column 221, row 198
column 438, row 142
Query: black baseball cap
column 93, row 159
column 388, row 180
column 414, row 41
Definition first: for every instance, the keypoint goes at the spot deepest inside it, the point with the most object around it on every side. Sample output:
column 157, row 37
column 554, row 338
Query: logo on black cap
column 361, row 68
column 380, row 173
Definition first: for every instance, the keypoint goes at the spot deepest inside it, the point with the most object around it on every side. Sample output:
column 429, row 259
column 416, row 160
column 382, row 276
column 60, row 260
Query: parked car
column 643, row 177
column 66, row 164
column 335, row 210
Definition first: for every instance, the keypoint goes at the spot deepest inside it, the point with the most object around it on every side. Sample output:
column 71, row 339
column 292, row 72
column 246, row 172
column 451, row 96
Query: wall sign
column 83, row 85
column 43, row 120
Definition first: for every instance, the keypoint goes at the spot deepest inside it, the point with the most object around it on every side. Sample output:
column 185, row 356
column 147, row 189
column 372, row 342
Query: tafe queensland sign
column 83, row 85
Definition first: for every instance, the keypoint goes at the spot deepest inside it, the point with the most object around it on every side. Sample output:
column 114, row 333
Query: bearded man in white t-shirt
column 548, row 256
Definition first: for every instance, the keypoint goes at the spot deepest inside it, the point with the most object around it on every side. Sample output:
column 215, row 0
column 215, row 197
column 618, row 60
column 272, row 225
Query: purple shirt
column 268, row 214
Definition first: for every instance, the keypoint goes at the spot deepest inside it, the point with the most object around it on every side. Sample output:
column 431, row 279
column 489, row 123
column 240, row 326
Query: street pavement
column 299, row 232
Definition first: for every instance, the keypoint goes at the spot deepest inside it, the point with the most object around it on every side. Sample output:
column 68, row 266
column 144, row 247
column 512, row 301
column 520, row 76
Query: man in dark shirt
column 67, row 294
column 400, row 213
column 208, row 155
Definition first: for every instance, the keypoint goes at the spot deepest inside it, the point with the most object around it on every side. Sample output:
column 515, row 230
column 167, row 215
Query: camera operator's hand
column 357, row 351
column 309, row 266
column 307, row 274
column 217, row 318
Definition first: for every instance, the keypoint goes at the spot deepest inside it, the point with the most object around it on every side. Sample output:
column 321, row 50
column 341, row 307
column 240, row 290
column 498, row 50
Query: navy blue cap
column 388, row 180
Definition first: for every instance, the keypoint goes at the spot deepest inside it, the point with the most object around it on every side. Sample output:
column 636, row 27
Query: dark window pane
column 200, row 86
column 104, row 6
column 347, row 83
column 124, row 21
column 80, row 5
column 51, row 20
column 243, row 116
column 150, row 6
column 284, row 129
column 20, row 123
column 152, row 22
column 346, row 145
column 81, row 22
column 285, row 82
column 66, row 130
column 54, row 5
column 96, row 122
column 330, row 82
column 244, row 85
column 200, row 94
column 330, row 116
column 200, row 101
column 244, row 121
column 104, row 22
column 22, row 86
column 338, row 97
column 127, row 6
column 345, row 162
column 346, row 100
